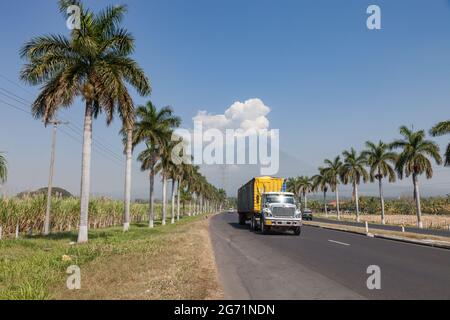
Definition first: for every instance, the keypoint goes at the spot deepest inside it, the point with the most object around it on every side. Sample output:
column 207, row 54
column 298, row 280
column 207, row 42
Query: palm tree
column 321, row 182
column 185, row 171
column 154, row 127
column 333, row 171
column 165, row 166
column 174, row 173
column 3, row 169
column 381, row 163
column 305, row 185
column 149, row 158
column 414, row 160
column 353, row 170
column 439, row 130
column 292, row 185
column 192, row 179
column 94, row 64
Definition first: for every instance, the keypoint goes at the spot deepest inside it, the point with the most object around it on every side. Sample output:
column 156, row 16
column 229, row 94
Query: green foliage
column 29, row 213
column 441, row 129
column 56, row 192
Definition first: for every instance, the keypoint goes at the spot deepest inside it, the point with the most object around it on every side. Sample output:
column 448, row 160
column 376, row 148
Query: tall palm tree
column 439, row 130
column 292, row 185
column 174, row 173
column 321, row 182
column 305, row 185
column 333, row 171
column 353, row 171
column 414, row 160
column 149, row 158
column 3, row 169
column 93, row 63
column 192, row 181
column 154, row 127
column 165, row 166
column 381, row 162
column 185, row 171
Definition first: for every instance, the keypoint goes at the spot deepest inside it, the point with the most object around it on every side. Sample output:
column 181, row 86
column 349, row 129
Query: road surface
column 323, row 264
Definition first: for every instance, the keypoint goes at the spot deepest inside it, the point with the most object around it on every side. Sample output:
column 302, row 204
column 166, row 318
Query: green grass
column 30, row 267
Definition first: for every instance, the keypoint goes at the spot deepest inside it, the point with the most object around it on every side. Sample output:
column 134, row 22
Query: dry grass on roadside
column 429, row 221
column 173, row 265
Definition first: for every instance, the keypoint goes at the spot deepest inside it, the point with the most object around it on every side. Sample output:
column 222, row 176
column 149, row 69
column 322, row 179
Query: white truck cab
column 278, row 211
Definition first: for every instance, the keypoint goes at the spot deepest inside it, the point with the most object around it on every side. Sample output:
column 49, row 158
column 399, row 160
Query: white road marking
column 342, row 243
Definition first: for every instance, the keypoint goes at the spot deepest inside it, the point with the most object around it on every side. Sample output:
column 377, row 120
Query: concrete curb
column 427, row 243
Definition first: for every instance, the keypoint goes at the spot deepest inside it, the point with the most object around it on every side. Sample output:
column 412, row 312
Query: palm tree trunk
column 418, row 206
column 355, row 188
column 85, row 174
column 190, row 208
column 306, row 201
column 126, row 222
column 380, row 187
column 164, row 200
column 151, row 217
column 338, row 210
column 172, row 217
column 178, row 200
column 325, row 203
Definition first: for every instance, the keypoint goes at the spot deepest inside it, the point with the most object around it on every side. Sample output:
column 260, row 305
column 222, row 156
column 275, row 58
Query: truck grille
column 283, row 212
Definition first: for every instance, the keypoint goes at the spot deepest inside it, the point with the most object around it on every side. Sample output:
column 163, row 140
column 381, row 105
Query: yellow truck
column 265, row 203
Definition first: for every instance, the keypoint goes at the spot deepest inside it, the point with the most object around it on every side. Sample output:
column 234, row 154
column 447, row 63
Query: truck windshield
column 280, row 199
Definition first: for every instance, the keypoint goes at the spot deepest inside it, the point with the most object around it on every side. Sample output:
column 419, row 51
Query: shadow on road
column 268, row 233
column 238, row 226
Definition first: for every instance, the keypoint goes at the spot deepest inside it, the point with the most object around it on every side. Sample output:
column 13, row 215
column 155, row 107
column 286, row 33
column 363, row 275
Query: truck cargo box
column 249, row 195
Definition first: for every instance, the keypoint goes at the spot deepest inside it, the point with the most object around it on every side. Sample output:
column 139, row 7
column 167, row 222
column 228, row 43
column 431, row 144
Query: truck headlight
column 267, row 212
column 298, row 214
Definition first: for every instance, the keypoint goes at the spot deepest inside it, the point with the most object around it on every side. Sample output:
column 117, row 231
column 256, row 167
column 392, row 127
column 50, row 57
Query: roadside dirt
column 178, row 265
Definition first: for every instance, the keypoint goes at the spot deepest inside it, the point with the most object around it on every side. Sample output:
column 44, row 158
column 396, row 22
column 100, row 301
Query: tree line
column 378, row 162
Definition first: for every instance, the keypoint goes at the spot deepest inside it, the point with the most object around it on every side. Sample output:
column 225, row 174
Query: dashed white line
column 338, row 242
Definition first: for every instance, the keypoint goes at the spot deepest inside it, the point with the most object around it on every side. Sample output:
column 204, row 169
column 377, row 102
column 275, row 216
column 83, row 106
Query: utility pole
column 50, row 176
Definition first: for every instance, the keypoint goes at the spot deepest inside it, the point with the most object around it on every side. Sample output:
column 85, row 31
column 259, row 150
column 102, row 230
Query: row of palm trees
column 377, row 162
column 155, row 128
column 94, row 63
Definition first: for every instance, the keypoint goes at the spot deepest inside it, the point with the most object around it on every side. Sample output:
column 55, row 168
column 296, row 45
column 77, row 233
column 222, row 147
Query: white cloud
column 247, row 116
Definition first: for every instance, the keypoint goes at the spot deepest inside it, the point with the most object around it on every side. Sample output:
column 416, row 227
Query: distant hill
column 57, row 192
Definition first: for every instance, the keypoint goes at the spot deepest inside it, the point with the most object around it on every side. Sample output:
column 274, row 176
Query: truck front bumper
column 282, row 222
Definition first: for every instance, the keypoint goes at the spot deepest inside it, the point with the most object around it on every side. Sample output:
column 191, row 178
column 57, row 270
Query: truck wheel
column 241, row 219
column 262, row 226
column 297, row 231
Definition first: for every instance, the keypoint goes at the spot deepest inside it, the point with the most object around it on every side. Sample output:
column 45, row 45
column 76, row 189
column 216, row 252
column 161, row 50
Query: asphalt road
column 323, row 264
column 435, row 232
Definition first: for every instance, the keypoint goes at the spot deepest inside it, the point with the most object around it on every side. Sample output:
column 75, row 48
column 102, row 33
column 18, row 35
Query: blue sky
column 329, row 81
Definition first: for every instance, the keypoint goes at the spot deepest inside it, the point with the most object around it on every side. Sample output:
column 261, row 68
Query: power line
column 113, row 160
column 96, row 148
column 95, row 141
column 105, row 142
